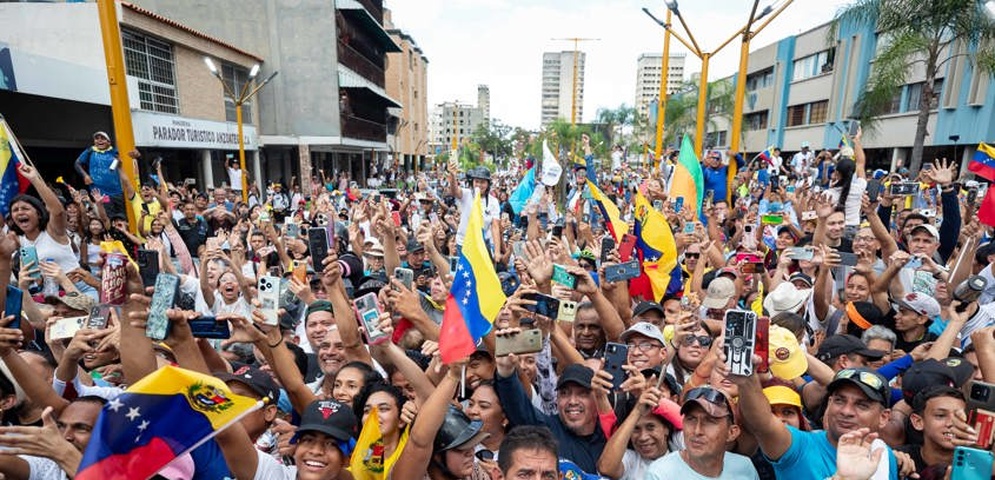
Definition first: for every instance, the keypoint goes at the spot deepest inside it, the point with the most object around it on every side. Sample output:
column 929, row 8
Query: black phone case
column 148, row 266
column 317, row 243
column 616, row 355
column 209, row 327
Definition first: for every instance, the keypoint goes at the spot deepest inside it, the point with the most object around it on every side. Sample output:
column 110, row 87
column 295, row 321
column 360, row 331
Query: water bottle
column 50, row 287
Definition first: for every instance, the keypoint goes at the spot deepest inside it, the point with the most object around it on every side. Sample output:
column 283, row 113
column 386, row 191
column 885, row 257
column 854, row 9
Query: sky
column 500, row 43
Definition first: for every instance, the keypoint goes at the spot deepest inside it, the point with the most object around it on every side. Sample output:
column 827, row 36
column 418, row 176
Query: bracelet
column 277, row 344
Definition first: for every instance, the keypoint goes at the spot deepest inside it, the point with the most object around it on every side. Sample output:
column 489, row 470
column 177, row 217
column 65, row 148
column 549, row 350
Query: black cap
column 669, row 380
column 414, row 246
column 962, row 370
column 923, row 374
column 644, row 307
column 458, row 430
column 837, row 345
column 256, row 379
column 576, row 373
column 868, row 381
column 369, row 284
column 329, row 417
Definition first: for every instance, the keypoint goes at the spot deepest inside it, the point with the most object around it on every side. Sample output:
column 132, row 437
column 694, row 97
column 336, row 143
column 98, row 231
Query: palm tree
column 615, row 120
column 682, row 109
column 928, row 31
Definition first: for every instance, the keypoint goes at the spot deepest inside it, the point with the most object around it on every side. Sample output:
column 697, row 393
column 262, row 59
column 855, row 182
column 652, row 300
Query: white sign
column 551, row 169
column 169, row 131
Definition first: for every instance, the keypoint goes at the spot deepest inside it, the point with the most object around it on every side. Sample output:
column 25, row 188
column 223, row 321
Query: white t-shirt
column 634, row 465
column 43, row 468
column 802, row 161
column 240, row 307
column 774, row 167
column 492, row 212
column 269, row 468
column 235, row 178
column 852, row 206
column 734, row 467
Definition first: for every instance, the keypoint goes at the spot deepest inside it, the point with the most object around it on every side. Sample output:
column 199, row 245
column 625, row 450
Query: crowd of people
column 878, row 300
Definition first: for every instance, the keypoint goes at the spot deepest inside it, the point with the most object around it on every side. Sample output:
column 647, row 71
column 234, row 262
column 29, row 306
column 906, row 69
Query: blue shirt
column 97, row 164
column 811, row 456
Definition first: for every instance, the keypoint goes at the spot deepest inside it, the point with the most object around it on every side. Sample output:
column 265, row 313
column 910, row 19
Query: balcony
column 363, row 129
column 375, row 8
column 358, row 63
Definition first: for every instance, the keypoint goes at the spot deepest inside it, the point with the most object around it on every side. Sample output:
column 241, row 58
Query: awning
column 351, row 79
column 355, row 11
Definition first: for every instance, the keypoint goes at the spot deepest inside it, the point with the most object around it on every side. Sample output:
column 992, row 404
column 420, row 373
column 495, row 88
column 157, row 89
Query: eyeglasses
column 867, row 378
column 864, row 238
column 644, row 346
column 692, row 255
column 703, row 340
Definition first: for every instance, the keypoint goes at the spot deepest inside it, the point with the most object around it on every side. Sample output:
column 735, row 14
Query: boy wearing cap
column 933, row 411
column 709, row 425
column 857, row 398
column 915, row 312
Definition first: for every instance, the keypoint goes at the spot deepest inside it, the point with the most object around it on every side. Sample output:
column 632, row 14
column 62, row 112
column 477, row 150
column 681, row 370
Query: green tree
column 682, row 110
column 933, row 32
column 494, row 138
column 615, row 120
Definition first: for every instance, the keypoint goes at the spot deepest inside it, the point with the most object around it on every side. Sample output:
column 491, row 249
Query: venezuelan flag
column 983, row 162
column 368, row 462
column 655, row 245
column 609, row 211
column 166, row 414
column 766, row 155
column 12, row 182
column 687, row 180
column 475, row 297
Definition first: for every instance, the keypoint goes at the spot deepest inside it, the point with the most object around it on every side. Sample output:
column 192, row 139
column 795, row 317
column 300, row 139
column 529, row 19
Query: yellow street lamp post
column 243, row 96
column 661, row 104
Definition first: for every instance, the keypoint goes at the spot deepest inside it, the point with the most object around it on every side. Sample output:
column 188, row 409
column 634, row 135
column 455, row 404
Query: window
column 812, row 65
column 716, row 139
column 151, row 61
column 236, row 78
column 755, row 121
column 762, row 79
column 979, row 87
column 808, row 113
column 915, row 95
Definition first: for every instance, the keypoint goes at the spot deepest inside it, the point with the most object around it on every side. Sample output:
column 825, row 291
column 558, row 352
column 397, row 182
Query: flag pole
column 23, row 156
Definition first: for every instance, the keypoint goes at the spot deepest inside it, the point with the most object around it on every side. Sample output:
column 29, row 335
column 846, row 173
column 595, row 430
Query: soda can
column 113, row 278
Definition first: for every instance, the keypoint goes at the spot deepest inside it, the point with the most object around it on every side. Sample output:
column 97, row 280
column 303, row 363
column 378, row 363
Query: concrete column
column 207, row 168
column 257, row 171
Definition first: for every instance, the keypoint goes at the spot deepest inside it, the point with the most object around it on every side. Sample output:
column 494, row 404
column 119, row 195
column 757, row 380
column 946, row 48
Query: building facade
column 327, row 110
column 178, row 108
column 803, row 89
column 648, row 67
column 457, row 119
column 558, row 85
column 407, row 82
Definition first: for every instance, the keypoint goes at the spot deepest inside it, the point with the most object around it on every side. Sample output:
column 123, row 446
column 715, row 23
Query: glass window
column 796, row 115
column 756, row 120
column 812, row 65
column 818, row 111
column 151, row 61
column 762, row 79
column 236, row 78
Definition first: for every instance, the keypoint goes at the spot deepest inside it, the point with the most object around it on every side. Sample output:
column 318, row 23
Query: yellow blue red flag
column 12, row 182
column 476, row 296
column 368, row 462
column 609, row 211
column 655, row 244
column 166, row 414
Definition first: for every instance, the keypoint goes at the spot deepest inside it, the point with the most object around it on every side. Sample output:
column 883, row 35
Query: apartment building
column 407, row 82
column 558, row 85
column 648, row 76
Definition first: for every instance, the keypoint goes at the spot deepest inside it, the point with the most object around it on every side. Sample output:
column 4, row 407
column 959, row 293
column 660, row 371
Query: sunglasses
column 643, row 346
column 692, row 255
column 710, row 395
column 703, row 340
column 867, row 378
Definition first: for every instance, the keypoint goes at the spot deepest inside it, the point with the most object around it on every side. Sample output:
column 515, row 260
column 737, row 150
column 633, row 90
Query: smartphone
column 563, row 277
column 622, row 271
column 740, row 337
column 809, row 215
column 13, row 305
column 29, row 257
column 873, row 190
column 318, row 245
column 369, row 315
column 64, row 328
column 453, row 264
column 616, row 355
column 800, row 253
column 981, row 411
column 927, row 166
column 625, row 249
column 406, row 276
column 213, row 243
column 525, row 341
column 971, row 464
column 268, row 290
column 709, row 196
column 396, row 216
column 658, row 205
column 904, row 188
column 972, row 196
column 485, row 455
column 772, row 219
column 761, row 347
column 292, row 230
column 557, row 230
column 166, row 287
column 914, row 263
column 300, row 271
column 99, row 315
column 546, row 305
column 853, row 128
column 148, row 266
column 689, row 228
column 568, row 311
column 209, row 327
column 848, row 259
column 790, row 189
column 607, row 246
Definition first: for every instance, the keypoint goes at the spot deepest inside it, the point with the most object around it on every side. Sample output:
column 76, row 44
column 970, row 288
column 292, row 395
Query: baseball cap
column 927, row 227
column 801, row 277
column 644, row 307
column 101, row 133
column 843, row 344
column 645, row 329
column 805, row 145
column 785, row 358
column 414, row 246
column 781, row 395
column 923, row 374
column 576, row 373
column 868, row 381
column 920, row 304
column 786, row 298
column 329, row 417
column 720, row 290
column 375, row 249
column 77, row 301
column 254, row 378
column 962, row 370
column 458, row 430
column 711, row 400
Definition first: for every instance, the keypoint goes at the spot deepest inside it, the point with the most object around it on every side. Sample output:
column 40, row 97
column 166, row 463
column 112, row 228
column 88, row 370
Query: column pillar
column 207, row 168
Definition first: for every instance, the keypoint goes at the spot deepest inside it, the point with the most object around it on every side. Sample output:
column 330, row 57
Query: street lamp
column 990, row 8
column 243, row 96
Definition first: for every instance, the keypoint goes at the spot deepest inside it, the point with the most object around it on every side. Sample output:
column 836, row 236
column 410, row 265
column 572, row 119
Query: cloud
column 500, row 43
